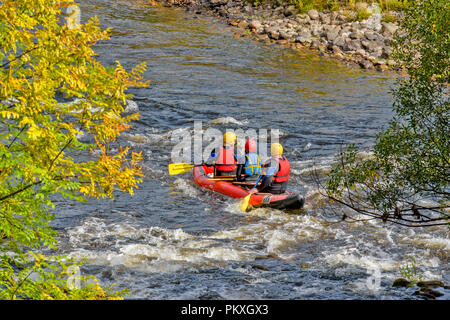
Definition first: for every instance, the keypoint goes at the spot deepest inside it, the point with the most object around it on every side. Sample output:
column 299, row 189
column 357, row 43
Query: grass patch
column 395, row 5
column 335, row 5
column 362, row 14
column 389, row 17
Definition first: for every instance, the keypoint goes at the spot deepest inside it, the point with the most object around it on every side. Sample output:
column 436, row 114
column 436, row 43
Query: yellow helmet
column 276, row 149
column 229, row 137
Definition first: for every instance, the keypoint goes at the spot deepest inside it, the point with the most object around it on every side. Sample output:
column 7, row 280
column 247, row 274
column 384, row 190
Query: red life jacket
column 285, row 167
column 226, row 158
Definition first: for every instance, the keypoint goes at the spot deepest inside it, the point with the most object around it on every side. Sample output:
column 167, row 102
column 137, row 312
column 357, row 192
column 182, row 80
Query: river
column 172, row 240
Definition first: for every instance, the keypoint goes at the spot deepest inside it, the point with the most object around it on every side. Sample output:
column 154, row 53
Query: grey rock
column 315, row 44
column 303, row 18
column 313, row 14
column 366, row 64
column 273, row 33
column 334, row 15
column 341, row 17
column 262, row 37
column 302, row 21
column 328, row 27
column 334, row 48
column 283, row 35
column 366, row 44
column 345, row 32
column 357, row 34
column 378, row 52
column 303, row 37
column 389, row 28
column 317, row 31
column 332, row 35
column 352, row 45
column 374, row 22
column 255, row 24
column 370, row 35
column 339, row 41
column 382, row 67
column 323, row 42
column 248, row 9
column 325, row 18
column 243, row 24
column 391, row 63
column 290, row 11
column 371, row 45
column 361, row 52
column 217, row 3
column 386, row 52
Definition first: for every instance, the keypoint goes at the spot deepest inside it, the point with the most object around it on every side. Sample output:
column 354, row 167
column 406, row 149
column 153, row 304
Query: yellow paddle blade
column 244, row 202
column 179, row 168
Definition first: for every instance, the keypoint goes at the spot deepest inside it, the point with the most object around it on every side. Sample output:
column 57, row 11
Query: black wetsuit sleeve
column 239, row 172
column 265, row 182
column 267, row 179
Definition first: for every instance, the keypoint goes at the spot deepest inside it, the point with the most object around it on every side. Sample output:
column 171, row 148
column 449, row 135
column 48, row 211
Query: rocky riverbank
column 364, row 43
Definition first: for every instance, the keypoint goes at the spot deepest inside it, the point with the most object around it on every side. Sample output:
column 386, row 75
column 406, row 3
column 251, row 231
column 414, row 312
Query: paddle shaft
column 256, row 184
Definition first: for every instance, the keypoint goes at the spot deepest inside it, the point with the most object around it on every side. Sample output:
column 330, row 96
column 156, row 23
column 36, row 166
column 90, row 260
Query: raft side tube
column 287, row 200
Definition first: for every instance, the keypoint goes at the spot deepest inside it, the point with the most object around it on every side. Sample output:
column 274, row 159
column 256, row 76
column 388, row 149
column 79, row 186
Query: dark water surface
column 175, row 241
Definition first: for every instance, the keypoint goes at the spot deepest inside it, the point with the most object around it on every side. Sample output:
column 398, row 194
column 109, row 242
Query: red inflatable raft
column 232, row 189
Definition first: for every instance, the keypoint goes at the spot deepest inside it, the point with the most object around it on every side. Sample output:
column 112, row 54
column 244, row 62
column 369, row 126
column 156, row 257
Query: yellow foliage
column 41, row 56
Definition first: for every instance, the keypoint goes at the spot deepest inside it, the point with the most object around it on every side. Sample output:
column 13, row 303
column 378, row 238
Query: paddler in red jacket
column 276, row 172
column 224, row 157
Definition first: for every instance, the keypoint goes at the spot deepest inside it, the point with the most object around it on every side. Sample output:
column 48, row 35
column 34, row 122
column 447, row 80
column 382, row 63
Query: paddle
column 179, row 168
column 244, row 203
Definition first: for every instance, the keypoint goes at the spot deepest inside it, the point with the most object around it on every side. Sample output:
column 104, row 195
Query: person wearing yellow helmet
column 224, row 158
column 276, row 172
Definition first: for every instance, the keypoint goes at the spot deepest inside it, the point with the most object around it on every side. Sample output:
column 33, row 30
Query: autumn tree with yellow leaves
column 43, row 55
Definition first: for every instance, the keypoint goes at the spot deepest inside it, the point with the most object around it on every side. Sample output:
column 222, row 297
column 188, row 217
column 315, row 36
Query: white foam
column 136, row 138
column 226, row 120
